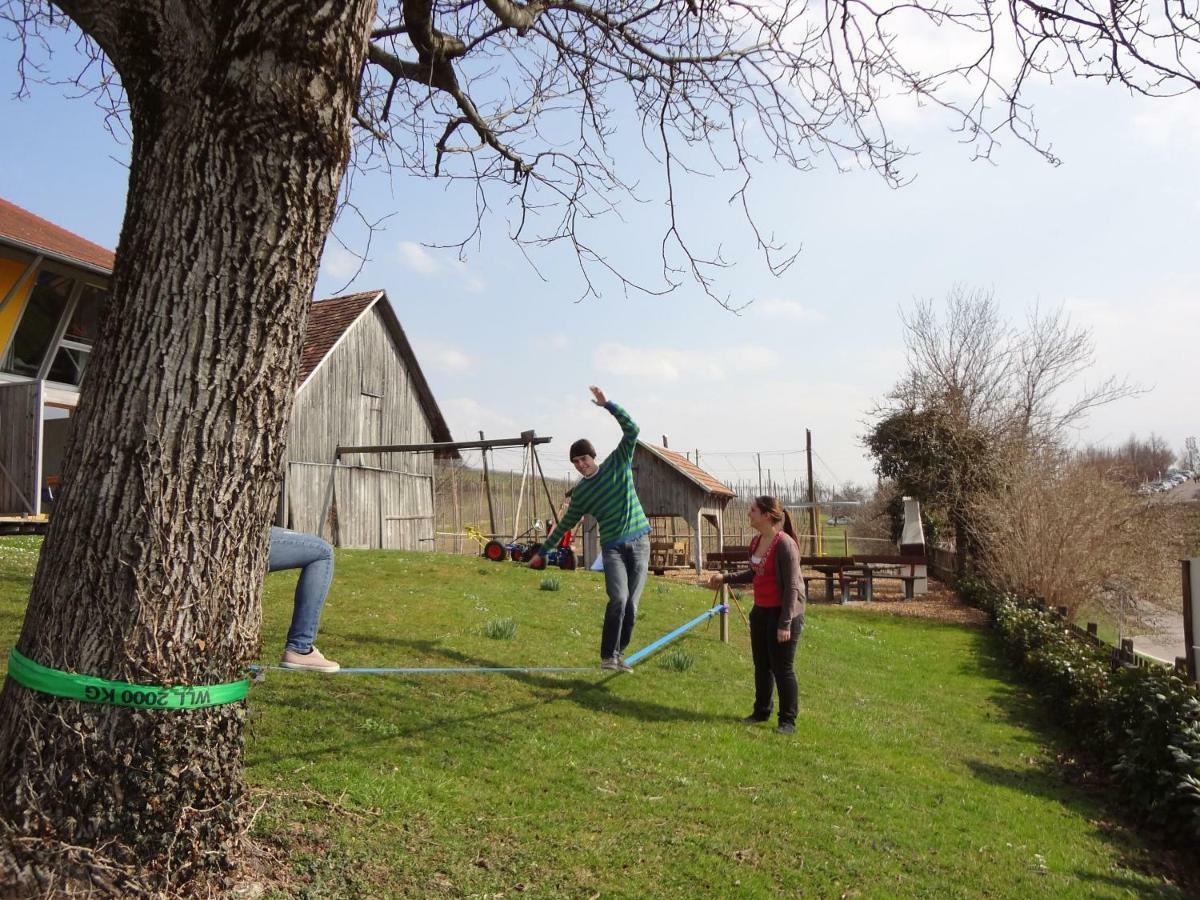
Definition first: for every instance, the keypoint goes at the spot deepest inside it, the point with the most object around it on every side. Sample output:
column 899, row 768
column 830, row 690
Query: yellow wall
column 10, row 313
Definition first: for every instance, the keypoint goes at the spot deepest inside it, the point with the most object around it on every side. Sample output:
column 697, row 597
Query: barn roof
column 23, row 230
column 688, row 470
column 330, row 319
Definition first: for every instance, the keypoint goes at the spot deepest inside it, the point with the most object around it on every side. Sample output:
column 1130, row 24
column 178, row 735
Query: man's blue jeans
column 625, row 568
column 314, row 558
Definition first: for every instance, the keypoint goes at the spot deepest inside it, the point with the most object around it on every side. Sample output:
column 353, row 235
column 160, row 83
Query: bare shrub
column 1070, row 533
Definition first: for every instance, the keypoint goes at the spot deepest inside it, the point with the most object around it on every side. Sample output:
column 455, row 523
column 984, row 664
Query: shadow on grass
column 583, row 691
column 588, row 694
column 1024, row 710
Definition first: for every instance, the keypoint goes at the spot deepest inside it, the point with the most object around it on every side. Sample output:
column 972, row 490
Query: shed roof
column 328, row 322
column 689, row 470
column 22, row 229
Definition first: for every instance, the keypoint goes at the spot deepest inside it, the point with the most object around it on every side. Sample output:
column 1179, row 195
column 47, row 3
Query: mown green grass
column 917, row 769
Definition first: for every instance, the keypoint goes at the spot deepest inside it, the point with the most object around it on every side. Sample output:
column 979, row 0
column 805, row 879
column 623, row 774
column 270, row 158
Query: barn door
column 21, row 448
column 407, row 508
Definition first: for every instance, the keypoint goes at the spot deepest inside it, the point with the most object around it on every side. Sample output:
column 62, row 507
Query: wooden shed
column 671, row 486
column 360, row 385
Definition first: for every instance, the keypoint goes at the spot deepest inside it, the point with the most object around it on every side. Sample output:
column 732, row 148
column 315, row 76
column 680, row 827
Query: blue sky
column 1109, row 235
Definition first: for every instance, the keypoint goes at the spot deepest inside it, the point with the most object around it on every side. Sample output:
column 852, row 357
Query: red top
column 766, row 582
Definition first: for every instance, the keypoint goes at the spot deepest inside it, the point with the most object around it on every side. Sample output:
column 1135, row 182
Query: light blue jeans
column 314, row 558
column 625, row 568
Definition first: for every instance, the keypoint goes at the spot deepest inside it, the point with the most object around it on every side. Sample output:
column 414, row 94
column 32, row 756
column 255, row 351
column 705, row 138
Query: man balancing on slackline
column 607, row 494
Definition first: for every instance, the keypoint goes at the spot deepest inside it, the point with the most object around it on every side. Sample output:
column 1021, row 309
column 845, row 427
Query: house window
column 45, row 307
column 76, row 345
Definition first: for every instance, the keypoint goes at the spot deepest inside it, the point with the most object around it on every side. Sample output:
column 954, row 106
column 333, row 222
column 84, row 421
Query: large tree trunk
column 151, row 572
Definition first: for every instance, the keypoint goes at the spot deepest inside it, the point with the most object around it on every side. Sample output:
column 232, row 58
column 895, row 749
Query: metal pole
column 487, row 487
column 812, row 509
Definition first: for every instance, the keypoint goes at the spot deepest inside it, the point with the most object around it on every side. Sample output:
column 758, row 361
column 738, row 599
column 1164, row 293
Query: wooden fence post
column 1191, row 613
column 1127, row 654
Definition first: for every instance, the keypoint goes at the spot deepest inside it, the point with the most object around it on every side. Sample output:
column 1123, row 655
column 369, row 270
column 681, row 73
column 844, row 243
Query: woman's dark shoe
column 754, row 719
column 785, row 728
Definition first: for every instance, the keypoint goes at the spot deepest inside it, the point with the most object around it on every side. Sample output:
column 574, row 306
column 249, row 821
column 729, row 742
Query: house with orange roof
column 359, row 384
column 672, row 487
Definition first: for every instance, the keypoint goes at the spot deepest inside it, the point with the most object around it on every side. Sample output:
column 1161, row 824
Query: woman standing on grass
column 778, row 614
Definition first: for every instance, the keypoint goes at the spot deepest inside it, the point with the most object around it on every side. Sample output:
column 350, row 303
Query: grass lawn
column 917, row 768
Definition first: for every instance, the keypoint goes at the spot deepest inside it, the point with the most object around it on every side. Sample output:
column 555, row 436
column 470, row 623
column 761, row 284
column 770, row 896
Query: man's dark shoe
column 753, row 719
column 785, row 728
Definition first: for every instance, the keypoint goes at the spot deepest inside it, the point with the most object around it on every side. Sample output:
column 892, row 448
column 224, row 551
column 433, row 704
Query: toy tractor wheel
column 494, row 550
column 566, row 558
column 517, row 553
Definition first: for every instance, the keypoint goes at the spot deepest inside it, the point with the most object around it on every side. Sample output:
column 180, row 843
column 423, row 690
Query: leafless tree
column 1006, row 382
column 1134, row 461
column 242, row 118
column 978, row 397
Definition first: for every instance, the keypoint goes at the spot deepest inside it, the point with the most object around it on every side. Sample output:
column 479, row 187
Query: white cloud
column 472, row 283
column 789, row 310
column 672, row 365
column 416, row 258
column 557, row 341
column 1148, row 342
column 1167, row 122
column 338, row 262
column 467, row 417
column 443, row 357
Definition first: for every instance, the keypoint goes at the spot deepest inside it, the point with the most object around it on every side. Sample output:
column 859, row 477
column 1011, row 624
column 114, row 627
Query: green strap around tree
column 90, row 689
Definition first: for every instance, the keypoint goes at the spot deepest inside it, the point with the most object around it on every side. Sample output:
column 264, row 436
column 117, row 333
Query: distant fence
column 943, row 564
column 1123, row 655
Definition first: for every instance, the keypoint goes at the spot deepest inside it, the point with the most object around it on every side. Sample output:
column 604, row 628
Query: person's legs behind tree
column 314, row 558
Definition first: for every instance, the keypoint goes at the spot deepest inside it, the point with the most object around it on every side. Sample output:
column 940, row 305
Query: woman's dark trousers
column 774, row 665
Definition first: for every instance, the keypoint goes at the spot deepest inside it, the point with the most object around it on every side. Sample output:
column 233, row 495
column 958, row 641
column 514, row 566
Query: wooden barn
column 53, row 285
column 672, row 488
column 360, row 385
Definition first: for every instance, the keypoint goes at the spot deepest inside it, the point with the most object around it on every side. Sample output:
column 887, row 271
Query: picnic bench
column 730, row 558
column 854, row 574
column 860, row 574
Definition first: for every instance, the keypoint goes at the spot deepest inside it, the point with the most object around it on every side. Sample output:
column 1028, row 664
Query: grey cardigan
column 791, row 588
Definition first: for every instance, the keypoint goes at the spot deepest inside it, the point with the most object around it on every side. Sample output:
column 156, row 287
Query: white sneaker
column 313, row 661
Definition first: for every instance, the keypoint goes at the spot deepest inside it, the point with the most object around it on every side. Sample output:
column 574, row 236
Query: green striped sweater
column 609, row 495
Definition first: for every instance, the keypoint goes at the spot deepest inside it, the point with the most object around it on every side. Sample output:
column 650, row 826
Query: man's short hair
column 582, row 447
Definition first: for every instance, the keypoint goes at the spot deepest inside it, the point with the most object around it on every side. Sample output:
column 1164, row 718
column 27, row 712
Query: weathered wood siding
column 663, row 490
column 361, row 394
column 21, row 447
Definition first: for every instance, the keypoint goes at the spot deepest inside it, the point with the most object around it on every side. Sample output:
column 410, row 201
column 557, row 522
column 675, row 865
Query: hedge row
column 1143, row 724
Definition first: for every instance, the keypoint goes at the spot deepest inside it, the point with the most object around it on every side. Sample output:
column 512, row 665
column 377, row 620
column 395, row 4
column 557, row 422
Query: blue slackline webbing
column 481, row 670
column 452, row 670
column 667, row 638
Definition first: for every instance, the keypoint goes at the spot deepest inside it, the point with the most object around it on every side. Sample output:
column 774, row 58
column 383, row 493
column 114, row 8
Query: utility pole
column 758, row 456
column 487, row 489
column 812, row 505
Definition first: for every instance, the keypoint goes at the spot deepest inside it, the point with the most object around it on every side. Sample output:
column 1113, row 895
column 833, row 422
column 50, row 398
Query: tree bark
column 152, row 568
